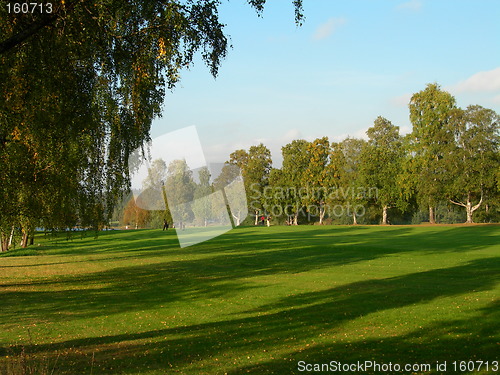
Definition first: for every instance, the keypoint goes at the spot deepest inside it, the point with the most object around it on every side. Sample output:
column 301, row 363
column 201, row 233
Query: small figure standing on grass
column 165, row 225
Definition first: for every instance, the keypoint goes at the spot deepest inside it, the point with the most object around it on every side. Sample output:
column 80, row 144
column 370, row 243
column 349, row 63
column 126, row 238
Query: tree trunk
column 322, row 212
column 354, row 220
column 4, row 242
column 296, row 218
column 432, row 216
column 384, row 215
column 256, row 218
column 236, row 218
column 11, row 238
column 24, row 240
column 469, row 208
column 469, row 211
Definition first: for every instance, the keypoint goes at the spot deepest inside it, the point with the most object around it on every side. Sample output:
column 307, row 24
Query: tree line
column 446, row 170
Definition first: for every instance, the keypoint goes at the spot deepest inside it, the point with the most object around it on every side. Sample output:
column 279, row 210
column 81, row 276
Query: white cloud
column 486, row 81
column 405, row 129
column 479, row 83
column 413, row 5
column 328, row 28
column 360, row 134
column 402, row 100
column 292, row 134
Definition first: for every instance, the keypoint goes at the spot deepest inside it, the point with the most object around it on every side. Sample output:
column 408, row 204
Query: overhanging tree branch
column 458, row 203
column 474, row 208
column 34, row 27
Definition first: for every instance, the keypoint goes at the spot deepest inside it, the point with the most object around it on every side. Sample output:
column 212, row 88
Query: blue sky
column 350, row 62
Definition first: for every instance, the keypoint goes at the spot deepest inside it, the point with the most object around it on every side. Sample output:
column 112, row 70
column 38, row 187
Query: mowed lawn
column 256, row 300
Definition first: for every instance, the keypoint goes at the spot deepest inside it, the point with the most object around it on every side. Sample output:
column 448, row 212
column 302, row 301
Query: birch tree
column 295, row 163
column 381, row 163
column 473, row 158
column 255, row 165
column 315, row 177
column 345, row 177
column 430, row 113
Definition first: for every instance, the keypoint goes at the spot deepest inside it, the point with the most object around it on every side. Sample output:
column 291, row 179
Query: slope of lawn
column 256, row 300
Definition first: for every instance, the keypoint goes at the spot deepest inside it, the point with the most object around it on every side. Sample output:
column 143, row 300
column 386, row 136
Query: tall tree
column 345, row 178
column 473, row 158
column 201, row 205
column 315, row 176
column 274, row 201
column 430, row 113
column 180, row 188
column 255, row 166
column 153, row 194
column 295, row 162
column 381, row 163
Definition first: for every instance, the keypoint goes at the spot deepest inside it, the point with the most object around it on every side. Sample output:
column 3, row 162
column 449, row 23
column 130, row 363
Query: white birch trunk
column 236, row 218
column 384, row 215
column 469, row 208
column 11, row 238
column 322, row 212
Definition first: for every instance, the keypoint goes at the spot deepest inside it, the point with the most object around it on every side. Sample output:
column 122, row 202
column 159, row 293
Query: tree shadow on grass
column 226, row 272
column 276, row 335
column 446, row 341
column 416, row 237
column 143, row 243
column 384, row 238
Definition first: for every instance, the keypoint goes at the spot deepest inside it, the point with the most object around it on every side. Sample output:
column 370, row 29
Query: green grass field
column 253, row 301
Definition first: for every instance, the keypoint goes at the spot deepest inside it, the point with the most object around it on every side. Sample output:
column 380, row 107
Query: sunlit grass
column 255, row 300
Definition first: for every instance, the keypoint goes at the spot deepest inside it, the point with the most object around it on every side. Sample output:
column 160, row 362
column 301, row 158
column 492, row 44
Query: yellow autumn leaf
column 162, row 50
